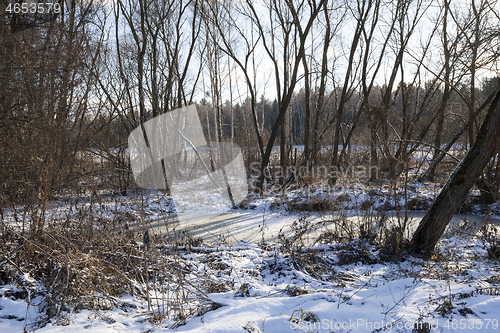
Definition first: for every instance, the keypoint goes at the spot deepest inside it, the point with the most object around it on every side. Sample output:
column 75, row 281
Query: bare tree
column 454, row 193
column 454, row 55
column 289, row 16
column 45, row 111
column 363, row 12
column 226, row 33
column 311, row 154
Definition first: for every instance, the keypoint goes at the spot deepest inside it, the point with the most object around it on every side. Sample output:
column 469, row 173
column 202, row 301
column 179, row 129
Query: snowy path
column 255, row 225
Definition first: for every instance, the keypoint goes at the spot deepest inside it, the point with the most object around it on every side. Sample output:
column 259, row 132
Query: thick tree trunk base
column 454, row 193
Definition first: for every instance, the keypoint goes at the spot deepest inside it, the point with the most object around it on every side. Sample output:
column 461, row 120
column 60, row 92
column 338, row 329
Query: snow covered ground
column 248, row 279
column 337, row 288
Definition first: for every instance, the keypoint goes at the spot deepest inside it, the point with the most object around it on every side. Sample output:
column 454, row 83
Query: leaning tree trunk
column 454, row 193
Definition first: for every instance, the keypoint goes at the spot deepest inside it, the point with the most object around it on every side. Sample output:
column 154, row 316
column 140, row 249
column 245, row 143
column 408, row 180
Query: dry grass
column 89, row 262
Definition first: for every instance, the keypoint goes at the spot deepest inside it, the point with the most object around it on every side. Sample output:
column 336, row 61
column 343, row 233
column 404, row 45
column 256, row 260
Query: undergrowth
column 88, row 263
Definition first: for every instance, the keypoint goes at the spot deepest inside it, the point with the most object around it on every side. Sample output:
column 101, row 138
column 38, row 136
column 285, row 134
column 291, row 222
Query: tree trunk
column 457, row 187
column 373, row 143
column 322, row 89
column 447, row 88
column 307, row 120
column 343, row 98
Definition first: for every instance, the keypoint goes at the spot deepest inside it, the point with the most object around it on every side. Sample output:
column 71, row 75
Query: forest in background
column 394, row 76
